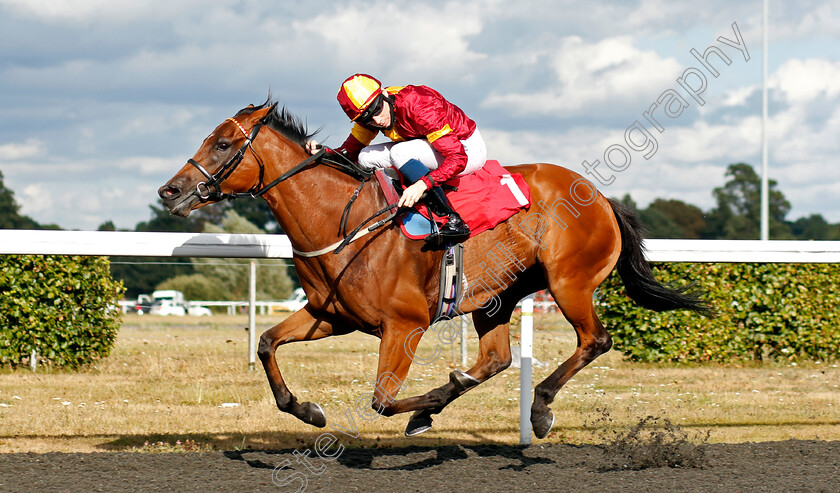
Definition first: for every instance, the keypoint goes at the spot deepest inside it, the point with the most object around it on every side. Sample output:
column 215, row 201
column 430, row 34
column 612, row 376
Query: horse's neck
column 309, row 205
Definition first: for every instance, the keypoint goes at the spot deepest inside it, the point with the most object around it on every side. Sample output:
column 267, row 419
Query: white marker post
column 526, row 347
column 252, row 316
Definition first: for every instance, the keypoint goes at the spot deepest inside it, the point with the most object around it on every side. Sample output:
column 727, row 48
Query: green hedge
column 779, row 312
column 65, row 307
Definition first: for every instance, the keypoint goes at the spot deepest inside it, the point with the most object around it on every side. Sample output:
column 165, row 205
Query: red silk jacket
column 420, row 112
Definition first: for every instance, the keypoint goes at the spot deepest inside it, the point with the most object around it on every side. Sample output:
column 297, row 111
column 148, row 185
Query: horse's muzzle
column 176, row 200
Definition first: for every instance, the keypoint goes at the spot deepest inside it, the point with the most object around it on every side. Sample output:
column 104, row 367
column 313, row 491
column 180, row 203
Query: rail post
column 526, row 345
column 252, row 315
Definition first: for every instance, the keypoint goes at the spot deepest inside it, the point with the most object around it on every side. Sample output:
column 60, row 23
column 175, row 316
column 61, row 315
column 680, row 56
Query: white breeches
column 383, row 156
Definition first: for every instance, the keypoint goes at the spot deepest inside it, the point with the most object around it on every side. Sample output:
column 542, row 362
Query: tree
column 688, row 218
column 659, row 225
column 10, row 217
column 145, row 274
column 141, row 274
column 256, row 211
column 273, row 281
column 627, row 201
column 259, row 213
column 814, row 227
column 738, row 211
column 196, row 287
column 107, row 226
column 163, row 221
column 655, row 222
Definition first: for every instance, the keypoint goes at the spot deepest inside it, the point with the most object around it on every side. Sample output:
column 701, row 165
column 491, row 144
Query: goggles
column 371, row 111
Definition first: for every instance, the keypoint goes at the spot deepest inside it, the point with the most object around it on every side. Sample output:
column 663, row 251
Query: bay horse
column 387, row 285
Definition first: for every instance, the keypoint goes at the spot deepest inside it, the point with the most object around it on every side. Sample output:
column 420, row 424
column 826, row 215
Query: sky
column 102, row 101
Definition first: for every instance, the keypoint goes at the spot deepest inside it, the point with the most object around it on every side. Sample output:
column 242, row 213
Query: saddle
column 483, row 199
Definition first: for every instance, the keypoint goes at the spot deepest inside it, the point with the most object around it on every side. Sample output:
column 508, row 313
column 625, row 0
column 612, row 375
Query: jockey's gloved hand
column 312, row 146
column 412, row 194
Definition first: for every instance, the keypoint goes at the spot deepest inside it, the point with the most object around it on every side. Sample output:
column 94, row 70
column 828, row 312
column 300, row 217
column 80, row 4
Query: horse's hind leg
column 592, row 341
column 491, row 323
column 300, row 326
column 492, row 326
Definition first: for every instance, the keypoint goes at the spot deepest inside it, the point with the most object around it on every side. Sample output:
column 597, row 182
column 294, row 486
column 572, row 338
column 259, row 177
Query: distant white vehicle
column 201, row 311
column 167, row 307
column 168, row 294
column 294, row 303
column 143, row 304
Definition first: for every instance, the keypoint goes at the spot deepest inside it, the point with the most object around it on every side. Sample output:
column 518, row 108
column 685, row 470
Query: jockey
column 432, row 142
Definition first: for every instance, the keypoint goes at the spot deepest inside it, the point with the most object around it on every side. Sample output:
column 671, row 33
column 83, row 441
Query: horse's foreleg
column 396, row 353
column 300, row 326
column 592, row 341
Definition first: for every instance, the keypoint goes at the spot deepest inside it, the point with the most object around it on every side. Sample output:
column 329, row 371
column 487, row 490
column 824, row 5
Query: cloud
column 36, row 199
column 84, row 11
column 410, row 40
column 153, row 166
column 798, row 20
column 739, row 96
column 566, row 148
column 17, row 151
column 669, row 174
column 703, row 141
column 102, row 188
column 671, row 181
column 87, row 203
column 112, row 97
column 586, row 75
column 801, row 81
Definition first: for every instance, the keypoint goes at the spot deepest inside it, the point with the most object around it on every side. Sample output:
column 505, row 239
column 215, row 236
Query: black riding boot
column 455, row 230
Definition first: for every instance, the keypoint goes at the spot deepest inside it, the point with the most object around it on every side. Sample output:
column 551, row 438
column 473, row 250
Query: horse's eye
column 223, row 146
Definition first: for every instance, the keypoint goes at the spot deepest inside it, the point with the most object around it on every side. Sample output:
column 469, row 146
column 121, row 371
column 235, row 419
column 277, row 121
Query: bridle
column 210, row 189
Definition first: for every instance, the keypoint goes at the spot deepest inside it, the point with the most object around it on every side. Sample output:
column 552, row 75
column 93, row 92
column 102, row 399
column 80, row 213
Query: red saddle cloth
column 489, row 196
column 484, row 198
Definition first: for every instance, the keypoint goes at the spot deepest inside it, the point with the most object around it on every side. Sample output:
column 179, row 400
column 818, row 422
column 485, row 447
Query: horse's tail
column 637, row 276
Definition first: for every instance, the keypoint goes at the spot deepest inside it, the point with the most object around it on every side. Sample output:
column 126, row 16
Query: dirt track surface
column 812, row 466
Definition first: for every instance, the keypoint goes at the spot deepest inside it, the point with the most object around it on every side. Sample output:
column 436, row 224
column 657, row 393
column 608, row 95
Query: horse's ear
column 262, row 112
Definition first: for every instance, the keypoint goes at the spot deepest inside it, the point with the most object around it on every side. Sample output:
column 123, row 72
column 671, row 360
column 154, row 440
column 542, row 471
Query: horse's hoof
column 315, row 415
column 542, row 425
column 419, row 423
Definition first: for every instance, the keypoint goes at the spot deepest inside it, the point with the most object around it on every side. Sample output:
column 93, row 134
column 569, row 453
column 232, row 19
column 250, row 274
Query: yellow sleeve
column 440, row 133
column 362, row 134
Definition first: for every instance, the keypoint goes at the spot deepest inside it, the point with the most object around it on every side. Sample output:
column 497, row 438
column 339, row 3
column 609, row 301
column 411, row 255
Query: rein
column 210, row 190
column 357, row 233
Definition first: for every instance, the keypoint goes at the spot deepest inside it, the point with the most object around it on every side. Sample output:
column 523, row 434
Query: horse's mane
column 284, row 122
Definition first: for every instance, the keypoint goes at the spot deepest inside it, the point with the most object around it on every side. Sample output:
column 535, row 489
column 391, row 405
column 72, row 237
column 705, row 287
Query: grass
column 183, row 384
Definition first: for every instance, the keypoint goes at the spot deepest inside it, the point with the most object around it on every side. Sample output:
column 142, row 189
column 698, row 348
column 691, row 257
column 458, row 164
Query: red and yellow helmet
column 357, row 93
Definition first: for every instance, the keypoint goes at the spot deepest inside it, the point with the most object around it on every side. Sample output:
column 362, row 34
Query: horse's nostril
column 169, row 192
